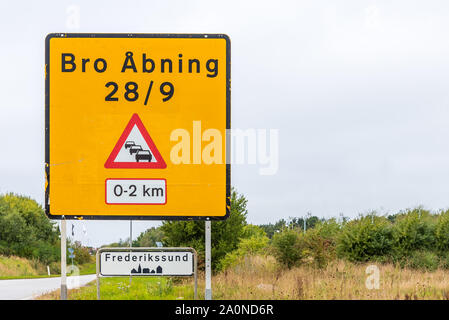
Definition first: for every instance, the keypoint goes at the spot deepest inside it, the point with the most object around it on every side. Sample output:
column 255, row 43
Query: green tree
column 413, row 230
column 120, row 244
column 298, row 223
column 366, row 238
column 255, row 244
column 225, row 234
column 321, row 241
column 25, row 230
column 442, row 231
column 251, row 230
column 288, row 249
column 270, row 228
column 82, row 254
column 149, row 237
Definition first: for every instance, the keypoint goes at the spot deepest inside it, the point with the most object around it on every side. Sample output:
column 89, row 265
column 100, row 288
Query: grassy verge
column 88, row 268
column 14, row 267
column 140, row 289
column 260, row 277
column 21, row 268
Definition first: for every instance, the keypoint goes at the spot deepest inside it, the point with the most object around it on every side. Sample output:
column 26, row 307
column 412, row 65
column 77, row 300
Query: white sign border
column 149, row 249
column 146, row 249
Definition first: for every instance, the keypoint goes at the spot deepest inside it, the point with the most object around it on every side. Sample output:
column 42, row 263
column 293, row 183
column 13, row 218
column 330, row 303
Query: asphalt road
column 26, row 289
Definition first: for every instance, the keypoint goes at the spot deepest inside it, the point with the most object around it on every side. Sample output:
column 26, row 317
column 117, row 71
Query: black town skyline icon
column 141, row 270
column 140, row 154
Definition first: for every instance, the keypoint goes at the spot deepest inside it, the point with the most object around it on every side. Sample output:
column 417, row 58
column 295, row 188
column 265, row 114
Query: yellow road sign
column 136, row 126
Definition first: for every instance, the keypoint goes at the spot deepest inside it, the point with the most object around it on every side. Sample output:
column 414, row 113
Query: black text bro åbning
column 142, row 63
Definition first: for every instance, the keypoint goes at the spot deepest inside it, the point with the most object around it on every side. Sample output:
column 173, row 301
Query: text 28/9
column 131, row 91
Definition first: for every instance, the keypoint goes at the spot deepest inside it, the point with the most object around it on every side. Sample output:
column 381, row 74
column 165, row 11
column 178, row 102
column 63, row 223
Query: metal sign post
column 138, row 262
column 98, row 273
column 208, row 291
column 195, row 275
column 130, row 233
column 130, row 242
column 63, row 259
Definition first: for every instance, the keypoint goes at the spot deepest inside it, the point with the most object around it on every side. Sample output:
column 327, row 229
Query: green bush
column 422, row 260
column 55, row 267
column 271, row 229
column 413, row 230
column 288, row 248
column 254, row 245
column 321, row 242
column 444, row 260
column 47, row 252
column 367, row 238
column 329, row 229
column 25, row 230
column 251, row 230
column 442, row 231
column 82, row 254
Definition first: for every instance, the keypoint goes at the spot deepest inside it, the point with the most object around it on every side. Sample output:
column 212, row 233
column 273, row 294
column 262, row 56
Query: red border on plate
column 159, row 164
column 131, row 204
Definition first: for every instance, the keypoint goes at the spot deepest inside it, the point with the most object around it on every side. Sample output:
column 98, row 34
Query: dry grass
column 53, row 295
column 261, row 278
column 16, row 266
column 140, row 288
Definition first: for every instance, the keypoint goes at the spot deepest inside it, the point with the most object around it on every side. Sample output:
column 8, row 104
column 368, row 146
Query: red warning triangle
column 135, row 149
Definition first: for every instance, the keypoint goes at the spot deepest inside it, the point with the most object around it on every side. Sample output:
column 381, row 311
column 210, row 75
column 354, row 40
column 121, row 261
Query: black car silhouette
column 129, row 144
column 134, row 149
column 143, row 155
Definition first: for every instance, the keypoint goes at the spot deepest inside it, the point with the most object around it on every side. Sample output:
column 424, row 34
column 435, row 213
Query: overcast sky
column 358, row 91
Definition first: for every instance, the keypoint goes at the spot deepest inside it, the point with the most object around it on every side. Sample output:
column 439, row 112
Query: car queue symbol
column 129, row 144
column 135, row 149
column 140, row 154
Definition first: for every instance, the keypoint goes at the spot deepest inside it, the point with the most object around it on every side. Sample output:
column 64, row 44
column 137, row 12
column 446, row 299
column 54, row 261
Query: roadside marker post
column 130, row 242
column 147, row 262
column 63, row 259
column 208, row 287
column 98, row 273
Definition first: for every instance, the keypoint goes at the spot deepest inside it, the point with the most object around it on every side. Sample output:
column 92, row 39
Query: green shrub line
column 414, row 238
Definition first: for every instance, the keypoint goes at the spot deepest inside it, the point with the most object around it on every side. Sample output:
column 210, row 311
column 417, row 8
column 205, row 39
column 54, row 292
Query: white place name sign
column 146, row 263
